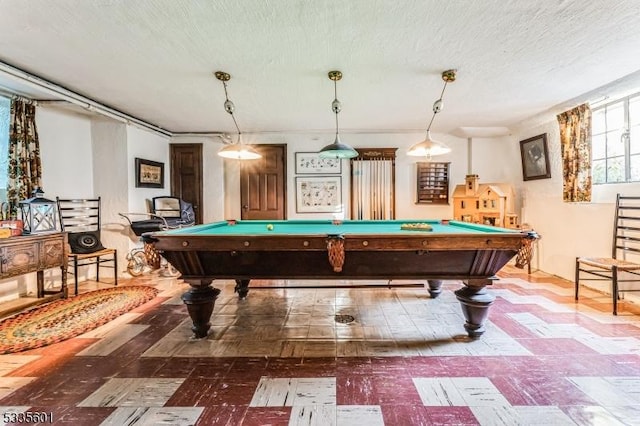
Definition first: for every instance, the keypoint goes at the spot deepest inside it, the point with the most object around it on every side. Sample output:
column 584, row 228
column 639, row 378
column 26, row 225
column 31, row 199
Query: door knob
column 246, row 207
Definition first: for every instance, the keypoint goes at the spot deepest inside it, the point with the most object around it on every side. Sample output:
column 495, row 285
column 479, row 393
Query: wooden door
column 262, row 184
column 186, row 175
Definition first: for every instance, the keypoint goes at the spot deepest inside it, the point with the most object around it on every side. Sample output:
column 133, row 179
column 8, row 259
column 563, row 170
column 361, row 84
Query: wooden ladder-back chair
column 81, row 220
column 623, row 267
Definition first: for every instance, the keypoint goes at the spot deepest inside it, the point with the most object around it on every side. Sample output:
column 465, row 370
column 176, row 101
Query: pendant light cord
column 226, row 95
column 335, row 98
column 434, row 112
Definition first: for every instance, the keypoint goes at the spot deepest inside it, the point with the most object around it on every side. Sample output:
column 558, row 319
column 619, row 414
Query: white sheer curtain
column 372, row 188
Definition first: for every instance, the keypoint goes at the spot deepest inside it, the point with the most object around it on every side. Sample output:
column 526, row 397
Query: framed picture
column 535, row 158
column 311, row 162
column 318, row 194
column 149, row 174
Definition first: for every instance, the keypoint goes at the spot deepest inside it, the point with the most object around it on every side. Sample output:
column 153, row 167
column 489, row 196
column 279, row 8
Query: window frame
column 625, row 135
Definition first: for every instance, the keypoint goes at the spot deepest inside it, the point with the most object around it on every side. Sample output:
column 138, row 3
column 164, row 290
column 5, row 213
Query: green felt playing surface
column 327, row 227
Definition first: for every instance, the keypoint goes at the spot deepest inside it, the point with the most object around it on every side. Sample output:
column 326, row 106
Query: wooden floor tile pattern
column 279, row 357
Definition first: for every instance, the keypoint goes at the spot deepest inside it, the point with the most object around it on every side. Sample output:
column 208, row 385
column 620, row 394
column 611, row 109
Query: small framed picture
column 149, row 174
column 535, row 158
column 311, row 162
column 318, row 194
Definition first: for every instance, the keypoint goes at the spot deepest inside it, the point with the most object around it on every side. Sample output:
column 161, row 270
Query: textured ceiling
column 155, row 59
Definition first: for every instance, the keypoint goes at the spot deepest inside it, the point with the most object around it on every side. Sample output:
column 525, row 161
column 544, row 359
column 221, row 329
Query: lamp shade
column 238, row 151
column 428, row 148
column 338, row 150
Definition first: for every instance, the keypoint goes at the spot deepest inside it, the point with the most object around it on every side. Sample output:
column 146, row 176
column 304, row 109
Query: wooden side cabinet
column 35, row 253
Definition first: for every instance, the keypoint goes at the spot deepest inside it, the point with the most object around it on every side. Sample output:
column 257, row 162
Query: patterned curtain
column 25, row 168
column 575, row 142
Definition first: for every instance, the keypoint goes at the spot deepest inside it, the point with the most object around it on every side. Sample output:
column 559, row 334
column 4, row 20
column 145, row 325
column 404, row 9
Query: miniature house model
column 486, row 203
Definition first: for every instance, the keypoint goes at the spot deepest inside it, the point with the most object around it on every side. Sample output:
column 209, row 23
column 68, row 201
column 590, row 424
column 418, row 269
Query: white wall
column 490, row 160
column 109, row 149
column 568, row 229
column 87, row 156
column 67, row 170
column 213, row 183
column 84, row 156
column 65, row 148
column 148, row 146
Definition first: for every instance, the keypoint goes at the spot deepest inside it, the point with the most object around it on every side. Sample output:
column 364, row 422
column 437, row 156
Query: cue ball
column 269, row 227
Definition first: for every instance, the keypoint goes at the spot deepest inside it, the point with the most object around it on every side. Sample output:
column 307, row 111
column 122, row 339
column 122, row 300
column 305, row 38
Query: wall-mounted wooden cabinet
column 433, row 183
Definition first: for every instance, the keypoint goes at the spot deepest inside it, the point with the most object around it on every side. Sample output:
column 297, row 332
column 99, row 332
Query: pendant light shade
column 429, row 147
column 237, row 150
column 337, row 149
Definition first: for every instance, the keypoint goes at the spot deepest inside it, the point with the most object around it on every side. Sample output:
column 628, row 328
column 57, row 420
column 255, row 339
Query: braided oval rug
column 66, row 318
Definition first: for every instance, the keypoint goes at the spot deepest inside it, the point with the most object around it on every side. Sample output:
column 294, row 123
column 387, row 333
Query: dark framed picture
column 535, row 158
column 149, row 174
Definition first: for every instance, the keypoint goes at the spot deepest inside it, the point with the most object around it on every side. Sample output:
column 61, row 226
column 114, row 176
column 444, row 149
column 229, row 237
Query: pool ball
column 269, row 227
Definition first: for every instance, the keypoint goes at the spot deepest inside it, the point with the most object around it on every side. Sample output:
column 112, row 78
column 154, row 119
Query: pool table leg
column 200, row 300
column 242, row 288
column 435, row 288
column 475, row 302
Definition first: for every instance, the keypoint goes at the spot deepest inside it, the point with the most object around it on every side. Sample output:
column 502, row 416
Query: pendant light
column 429, row 147
column 237, row 150
column 337, row 149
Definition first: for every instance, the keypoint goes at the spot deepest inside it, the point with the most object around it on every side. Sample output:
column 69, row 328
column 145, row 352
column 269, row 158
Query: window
column 5, row 115
column 615, row 139
column 462, row 205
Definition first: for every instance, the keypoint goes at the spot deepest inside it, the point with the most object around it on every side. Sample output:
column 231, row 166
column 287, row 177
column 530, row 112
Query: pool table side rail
column 387, row 242
column 202, row 266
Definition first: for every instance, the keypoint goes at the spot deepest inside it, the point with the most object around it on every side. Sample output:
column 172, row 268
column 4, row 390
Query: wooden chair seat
column 608, row 263
column 99, row 253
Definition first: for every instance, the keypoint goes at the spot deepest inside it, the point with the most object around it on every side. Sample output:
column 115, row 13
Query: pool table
column 432, row 250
